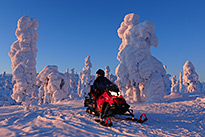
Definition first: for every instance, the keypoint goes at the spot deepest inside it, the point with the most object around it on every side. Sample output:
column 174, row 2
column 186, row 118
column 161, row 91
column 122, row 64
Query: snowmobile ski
column 139, row 120
column 107, row 123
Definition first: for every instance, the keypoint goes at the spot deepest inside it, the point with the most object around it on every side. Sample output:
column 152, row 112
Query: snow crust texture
column 138, row 71
column 23, row 57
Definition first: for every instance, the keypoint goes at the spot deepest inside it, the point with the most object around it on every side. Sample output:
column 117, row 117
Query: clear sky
column 70, row 30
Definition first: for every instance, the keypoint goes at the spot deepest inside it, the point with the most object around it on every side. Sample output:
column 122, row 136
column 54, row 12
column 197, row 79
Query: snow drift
column 173, row 118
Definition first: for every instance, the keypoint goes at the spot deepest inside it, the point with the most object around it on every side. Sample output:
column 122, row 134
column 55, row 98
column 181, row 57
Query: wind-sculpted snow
column 54, row 86
column 173, row 118
column 143, row 73
column 23, row 57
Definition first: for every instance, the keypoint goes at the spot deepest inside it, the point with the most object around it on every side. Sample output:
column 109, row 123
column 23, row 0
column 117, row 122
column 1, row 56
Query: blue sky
column 70, row 30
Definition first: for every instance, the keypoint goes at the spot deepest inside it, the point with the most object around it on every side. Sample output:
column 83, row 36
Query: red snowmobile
column 109, row 104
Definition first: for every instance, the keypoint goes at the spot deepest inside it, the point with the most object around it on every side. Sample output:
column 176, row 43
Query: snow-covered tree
column 107, row 71
column 73, row 83
column 181, row 86
column 73, row 79
column 54, row 86
column 203, row 86
column 80, row 85
column 175, row 85
column 4, row 74
column 67, row 79
column 190, row 77
column 23, row 57
column 111, row 77
column 137, row 66
column 85, row 78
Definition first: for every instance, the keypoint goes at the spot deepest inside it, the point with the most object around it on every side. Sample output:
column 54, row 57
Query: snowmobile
column 109, row 104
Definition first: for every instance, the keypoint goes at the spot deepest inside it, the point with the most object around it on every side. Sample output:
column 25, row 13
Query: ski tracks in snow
column 175, row 118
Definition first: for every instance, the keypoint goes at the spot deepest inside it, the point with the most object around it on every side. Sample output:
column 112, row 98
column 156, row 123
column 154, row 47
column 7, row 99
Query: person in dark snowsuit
column 98, row 88
column 101, row 83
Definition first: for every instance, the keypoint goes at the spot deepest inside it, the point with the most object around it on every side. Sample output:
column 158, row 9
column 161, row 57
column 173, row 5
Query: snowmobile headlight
column 114, row 93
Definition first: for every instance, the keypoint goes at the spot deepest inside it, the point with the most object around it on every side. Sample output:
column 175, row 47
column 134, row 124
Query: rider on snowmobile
column 100, row 83
column 112, row 105
column 98, row 88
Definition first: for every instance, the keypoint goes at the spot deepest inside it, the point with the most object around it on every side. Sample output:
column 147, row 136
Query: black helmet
column 100, row 72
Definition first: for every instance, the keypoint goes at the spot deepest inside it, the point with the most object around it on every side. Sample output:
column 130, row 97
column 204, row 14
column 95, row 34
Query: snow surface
column 183, row 116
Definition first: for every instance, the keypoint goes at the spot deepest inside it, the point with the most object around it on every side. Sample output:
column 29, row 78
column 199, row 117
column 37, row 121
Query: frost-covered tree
column 175, row 85
column 53, row 85
column 190, row 77
column 73, row 79
column 80, row 85
column 137, row 66
column 23, row 57
column 111, row 77
column 5, row 94
column 67, row 78
column 203, row 86
column 181, row 86
column 73, row 83
column 4, row 74
column 85, row 78
column 107, row 71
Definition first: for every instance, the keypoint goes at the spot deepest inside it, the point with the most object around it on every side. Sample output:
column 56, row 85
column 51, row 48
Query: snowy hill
column 183, row 116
